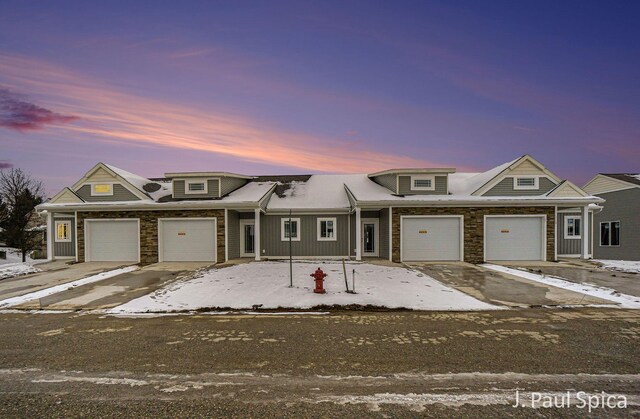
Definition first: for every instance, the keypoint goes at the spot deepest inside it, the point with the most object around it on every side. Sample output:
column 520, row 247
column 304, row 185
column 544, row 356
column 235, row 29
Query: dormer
column 205, row 185
column 414, row 181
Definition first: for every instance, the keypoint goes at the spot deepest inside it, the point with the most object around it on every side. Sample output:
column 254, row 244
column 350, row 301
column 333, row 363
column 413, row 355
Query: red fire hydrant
column 319, row 277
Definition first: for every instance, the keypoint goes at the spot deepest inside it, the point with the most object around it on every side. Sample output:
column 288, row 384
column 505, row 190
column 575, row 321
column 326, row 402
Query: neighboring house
column 616, row 232
column 505, row 213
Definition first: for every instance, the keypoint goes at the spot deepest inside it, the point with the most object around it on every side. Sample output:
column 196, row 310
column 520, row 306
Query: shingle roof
column 626, row 177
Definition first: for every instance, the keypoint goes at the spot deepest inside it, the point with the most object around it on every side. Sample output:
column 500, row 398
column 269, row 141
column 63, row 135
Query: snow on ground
column 13, row 266
column 245, row 285
column 9, row 270
column 632, row 266
column 625, row 300
column 14, row 301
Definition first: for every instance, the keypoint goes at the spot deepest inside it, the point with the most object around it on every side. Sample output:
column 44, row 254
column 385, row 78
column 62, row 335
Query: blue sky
column 303, row 87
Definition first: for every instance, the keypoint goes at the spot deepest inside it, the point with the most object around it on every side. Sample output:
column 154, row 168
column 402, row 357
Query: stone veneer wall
column 474, row 226
column 149, row 228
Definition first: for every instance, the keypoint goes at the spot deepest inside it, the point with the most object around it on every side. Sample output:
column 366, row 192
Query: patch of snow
column 9, row 302
column 624, row 300
column 9, row 270
column 267, row 283
column 320, row 191
column 632, row 266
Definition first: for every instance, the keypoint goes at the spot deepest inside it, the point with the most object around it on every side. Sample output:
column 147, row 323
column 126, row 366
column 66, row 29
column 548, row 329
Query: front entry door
column 369, row 232
column 247, row 234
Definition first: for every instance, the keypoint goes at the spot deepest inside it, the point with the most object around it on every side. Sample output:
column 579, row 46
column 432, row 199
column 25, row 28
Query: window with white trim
column 63, row 231
column 98, row 189
column 423, row 183
column 327, row 229
column 572, row 227
column 290, row 229
column 610, row 233
column 198, row 186
column 526, row 182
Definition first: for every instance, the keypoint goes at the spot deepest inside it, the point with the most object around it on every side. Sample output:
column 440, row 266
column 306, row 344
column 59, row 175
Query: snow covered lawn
column 267, row 283
column 9, row 270
column 625, row 300
column 632, row 266
column 13, row 266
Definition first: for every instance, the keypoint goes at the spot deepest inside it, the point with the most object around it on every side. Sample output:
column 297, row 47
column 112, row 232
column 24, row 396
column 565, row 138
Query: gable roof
column 567, row 189
column 66, row 195
column 134, row 182
column 625, row 177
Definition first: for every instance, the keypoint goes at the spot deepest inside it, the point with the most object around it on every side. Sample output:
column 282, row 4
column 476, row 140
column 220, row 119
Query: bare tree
column 19, row 195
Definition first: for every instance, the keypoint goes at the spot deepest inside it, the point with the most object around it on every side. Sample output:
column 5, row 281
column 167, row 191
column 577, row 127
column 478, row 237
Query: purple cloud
column 20, row 115
column 4, row 164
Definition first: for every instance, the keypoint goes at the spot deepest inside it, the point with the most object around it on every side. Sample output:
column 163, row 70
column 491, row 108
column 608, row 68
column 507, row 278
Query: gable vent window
column 525, row 183
column 98, row 189
column 196, row 187
column 422, row 183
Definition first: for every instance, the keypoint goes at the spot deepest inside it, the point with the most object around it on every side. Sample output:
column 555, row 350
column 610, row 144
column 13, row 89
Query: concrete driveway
column 118, row 289
column 502, row 289
column 626, row 283
column 53, row 273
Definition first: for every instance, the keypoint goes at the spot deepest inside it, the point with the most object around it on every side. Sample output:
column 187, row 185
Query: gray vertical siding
column 212, row 192
column 505, row 188
column 120, row 193
column 404, row 183
column 64, row 249
column 388, row 181
column 230, row 184
column 623, row 206
column 567, row 246
column 233, row 234
column 384, row 234
column 308, row 245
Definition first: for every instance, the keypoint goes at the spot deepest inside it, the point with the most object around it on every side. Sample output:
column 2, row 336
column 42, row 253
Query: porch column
column 50, row 234
column 390, row 234
column 256, row 235
column 586, row 231
column 358, row 235
column 226, row 235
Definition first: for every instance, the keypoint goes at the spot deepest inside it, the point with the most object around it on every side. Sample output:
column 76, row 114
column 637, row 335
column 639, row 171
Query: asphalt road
column 344, row 364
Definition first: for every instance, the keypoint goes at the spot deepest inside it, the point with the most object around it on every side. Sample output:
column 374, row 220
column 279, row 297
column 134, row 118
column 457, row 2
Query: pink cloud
column 128, row 119
column 18, row 114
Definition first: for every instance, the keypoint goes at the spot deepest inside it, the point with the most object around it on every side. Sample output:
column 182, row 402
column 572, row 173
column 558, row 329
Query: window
column 101, row 189
column 196, row 186
column 525, row 182
column 63, row 231
column 327, row 229
column 572, row 227
column 293, row 229
column 423, row 183
column 610, row 233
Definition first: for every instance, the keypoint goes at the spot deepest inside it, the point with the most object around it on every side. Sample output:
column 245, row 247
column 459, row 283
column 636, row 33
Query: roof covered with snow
column 319, row 191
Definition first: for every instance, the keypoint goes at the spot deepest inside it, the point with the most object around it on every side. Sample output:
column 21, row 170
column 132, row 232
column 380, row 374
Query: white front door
column 247, row 238
column 370, row 237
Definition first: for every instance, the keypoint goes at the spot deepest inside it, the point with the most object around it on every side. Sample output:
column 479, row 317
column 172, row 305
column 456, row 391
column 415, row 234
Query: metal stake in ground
column 344, row 271
column 290, row 254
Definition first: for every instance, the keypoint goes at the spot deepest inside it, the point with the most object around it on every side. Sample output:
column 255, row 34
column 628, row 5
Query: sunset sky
column 271, row 87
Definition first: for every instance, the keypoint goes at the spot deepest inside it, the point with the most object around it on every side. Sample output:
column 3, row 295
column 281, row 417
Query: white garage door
column 431, row 238
column 188, row 240
column 112, row 240
column 514, row 238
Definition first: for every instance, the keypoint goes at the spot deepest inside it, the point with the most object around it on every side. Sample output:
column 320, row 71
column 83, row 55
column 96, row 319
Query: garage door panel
column 514, row 238
column 112, row 240
column 188, row 240
column 431, row 239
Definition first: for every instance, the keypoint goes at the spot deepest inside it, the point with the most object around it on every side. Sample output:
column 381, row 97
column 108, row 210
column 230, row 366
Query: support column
column 226, row 235
column 586, row 231
column 256, row 235
column 358, row 235
column 390, row 234
column 50, row 234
